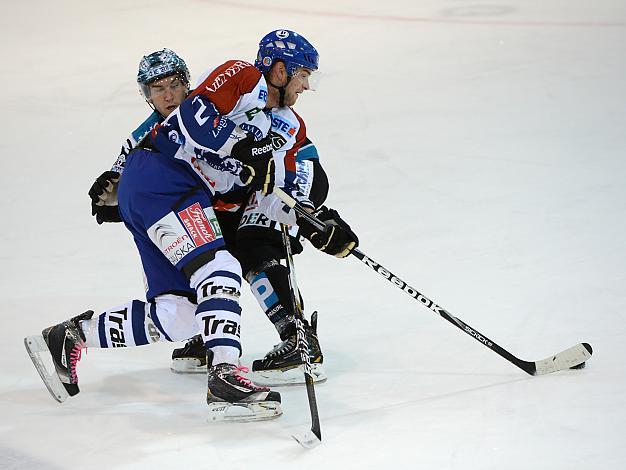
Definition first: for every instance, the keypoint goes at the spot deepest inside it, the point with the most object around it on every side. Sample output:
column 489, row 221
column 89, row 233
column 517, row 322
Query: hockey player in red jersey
column 289, row 64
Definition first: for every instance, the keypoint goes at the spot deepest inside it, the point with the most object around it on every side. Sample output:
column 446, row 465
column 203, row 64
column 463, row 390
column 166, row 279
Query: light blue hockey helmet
column 288, row 47
column 158, row 65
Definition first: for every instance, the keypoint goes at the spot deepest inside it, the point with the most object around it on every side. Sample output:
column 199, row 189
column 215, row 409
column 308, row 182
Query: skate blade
column 308, row 440
column 35, row 345
column 188, row 366
column 244, row 412
column 293, row 376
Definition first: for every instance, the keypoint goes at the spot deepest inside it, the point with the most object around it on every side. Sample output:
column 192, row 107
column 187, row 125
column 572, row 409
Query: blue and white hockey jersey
column 134, row 138
column 226, row 106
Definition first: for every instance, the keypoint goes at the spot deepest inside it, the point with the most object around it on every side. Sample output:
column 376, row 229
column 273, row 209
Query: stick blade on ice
column 570, row 358
column 308, row 440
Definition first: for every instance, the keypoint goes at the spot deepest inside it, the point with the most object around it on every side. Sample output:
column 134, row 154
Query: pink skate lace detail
column 245, row 381
column 75, row 356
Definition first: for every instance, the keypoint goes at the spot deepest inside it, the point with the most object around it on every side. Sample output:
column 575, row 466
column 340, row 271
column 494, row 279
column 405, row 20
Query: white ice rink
column 477, row 148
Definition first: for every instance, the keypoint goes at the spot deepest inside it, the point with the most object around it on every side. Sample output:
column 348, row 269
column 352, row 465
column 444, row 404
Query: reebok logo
column 261, row 150
column 425, row 300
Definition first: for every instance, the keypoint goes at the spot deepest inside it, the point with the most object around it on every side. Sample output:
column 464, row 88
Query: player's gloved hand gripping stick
column 573, row 357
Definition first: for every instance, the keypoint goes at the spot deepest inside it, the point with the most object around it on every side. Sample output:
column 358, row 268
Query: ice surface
column 476, row 148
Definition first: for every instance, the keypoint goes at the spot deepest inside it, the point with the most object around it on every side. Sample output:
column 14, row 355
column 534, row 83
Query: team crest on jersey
column 175, row 137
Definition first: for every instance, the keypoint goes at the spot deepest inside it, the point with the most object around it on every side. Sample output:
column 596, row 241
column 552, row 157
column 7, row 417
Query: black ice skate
column 64, row 342
column 283, row 364
column 191, row 358
column 232, row 397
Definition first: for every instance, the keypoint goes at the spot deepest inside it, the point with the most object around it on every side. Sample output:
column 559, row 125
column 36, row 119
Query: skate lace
column 282, row 347
column 75, row 356
column 193, row 342
column 244, row 380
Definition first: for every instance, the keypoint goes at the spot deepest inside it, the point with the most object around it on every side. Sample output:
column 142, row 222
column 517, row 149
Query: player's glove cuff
column 337, row 239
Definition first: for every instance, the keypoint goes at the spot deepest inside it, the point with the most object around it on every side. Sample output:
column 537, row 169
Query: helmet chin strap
column 281, row 91
column 153, row 107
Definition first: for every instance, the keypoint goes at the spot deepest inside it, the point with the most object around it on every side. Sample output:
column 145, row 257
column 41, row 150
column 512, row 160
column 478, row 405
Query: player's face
column 298, row 83
column 167, row 94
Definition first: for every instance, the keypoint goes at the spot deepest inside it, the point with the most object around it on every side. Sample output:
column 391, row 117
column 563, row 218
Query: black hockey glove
column 338, row 239
column 103, row 194
column 258, row 163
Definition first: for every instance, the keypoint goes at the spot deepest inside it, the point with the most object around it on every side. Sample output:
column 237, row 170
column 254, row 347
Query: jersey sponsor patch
column 304, row 176
column 169, row 235
column 264, row 292
column 197, row 224
column 254, row 218
column 282, row 125
column 177, row 236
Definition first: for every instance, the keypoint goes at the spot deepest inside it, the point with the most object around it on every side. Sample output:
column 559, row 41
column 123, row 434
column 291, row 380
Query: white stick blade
column 308, row 440
column 567, row 359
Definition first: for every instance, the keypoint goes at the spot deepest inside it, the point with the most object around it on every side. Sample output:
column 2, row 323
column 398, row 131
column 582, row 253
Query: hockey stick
column 312, row 437
column 573, row 357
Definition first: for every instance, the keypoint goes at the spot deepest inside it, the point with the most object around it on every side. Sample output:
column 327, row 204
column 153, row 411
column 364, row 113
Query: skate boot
column 233, row 397
column 64, row 342
column 283, row 364
column 191, row 358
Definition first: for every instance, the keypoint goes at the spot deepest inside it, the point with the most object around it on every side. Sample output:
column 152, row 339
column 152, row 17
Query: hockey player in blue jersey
column 193, row 282
column 164, row 82
column 166, row 203
column 258, row 244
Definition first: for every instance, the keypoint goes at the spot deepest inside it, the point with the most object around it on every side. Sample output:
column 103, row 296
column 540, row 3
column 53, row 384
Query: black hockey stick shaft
column 303, row 345
column 478, row 336
column 570, row 357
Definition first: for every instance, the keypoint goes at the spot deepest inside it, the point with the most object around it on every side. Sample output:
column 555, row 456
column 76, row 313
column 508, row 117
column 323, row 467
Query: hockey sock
column 137, row 323
column 119, row 327
column 270, row 286
column 218, row 315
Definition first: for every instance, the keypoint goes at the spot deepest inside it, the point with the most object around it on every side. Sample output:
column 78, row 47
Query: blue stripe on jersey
column 307, row 152
column 146, row 126
column 213, row 305
column 138, row 317
column 223, row 342
column 226, row 274
column 101, row 332
column 156, row 321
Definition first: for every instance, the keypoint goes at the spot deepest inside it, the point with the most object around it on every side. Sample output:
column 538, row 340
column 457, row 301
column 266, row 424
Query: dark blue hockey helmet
column 158, row 65
column 288, row 47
